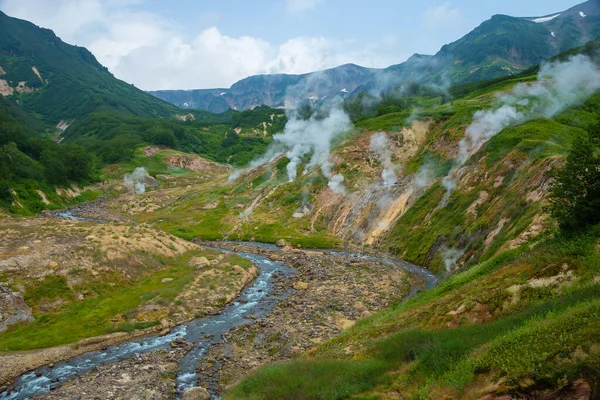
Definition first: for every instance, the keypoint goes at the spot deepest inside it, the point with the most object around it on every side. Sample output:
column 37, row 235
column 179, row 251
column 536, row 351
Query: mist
column 380, row 144
column 135, row 180
column 560, row 85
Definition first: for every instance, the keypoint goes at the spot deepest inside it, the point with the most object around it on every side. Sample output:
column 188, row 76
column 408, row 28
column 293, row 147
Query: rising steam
column 136, row 179
column 450, row 257
column 560, row 85
column 380, row 144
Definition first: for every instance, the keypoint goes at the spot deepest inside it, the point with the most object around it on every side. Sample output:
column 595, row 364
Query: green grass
column 322, row 380
column 81, row 319
column 520, row 345
column 415, row 352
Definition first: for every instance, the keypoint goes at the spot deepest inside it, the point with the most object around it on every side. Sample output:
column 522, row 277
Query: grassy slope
column 509, row 168
column 108, row 299
column 525, row 320
column 517, row 321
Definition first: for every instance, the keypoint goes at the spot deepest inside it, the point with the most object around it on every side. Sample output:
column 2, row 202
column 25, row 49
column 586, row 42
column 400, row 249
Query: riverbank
column 330, row 293
column 327, row 294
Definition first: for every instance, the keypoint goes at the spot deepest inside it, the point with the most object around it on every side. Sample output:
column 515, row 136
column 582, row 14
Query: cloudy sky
column 189, row 44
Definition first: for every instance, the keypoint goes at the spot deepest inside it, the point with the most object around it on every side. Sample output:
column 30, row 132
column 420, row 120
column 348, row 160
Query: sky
column 196, row 44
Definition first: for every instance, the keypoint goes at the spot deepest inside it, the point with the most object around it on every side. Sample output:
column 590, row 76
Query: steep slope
column 55, row 81
column 498, row 47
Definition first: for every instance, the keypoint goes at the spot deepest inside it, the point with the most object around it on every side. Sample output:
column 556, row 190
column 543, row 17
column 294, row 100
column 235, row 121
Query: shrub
column 575, row 191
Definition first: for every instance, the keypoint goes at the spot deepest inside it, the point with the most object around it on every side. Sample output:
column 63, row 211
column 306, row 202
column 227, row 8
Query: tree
column 575, row 190
column 78, row 161
column 161, row 136
column 54, row 166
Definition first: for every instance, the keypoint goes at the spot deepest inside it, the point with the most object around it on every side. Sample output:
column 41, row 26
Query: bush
column 575, row 191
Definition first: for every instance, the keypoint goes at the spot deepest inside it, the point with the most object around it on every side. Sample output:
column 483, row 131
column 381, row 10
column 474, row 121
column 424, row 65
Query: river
column 256, row 300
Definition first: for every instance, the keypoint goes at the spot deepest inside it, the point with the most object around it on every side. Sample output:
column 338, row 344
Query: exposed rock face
column 149, row 181
column 13, row 308
column 197, row 393
column 196, row 164
column 5, row 89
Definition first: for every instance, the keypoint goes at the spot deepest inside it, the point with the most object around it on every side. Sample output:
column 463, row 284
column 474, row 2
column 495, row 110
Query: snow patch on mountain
column 545, row 19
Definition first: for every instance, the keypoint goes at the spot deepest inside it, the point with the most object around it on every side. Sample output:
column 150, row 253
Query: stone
column 199, row 262
column 165, row 280
column 12, row 307
column 196, row 393
column 164, row 332
column 301, row 286
column 53, row 265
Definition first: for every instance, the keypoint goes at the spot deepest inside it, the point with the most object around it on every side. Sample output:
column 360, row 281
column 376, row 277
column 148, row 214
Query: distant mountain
column 272, row 90
column 54, row 81
column 500, row 46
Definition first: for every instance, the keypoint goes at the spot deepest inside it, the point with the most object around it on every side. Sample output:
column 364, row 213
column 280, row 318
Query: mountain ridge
column 500, row 46
column 56, row 81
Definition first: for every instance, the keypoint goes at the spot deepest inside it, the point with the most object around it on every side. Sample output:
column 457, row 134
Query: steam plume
column 381, row 145
column 136, row 179
column 560, row 85
column 314, row 136
column 450, row 257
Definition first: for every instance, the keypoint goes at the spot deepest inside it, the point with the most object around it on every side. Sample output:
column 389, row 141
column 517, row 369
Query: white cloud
column 442, row 17
column 153, row 53
column 299, row 6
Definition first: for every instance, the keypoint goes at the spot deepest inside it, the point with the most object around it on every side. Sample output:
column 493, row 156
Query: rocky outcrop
column 196, row 393
column 13, row 308
column 196, row 164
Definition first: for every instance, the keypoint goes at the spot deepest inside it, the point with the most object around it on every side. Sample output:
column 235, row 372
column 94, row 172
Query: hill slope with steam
column 460, row 187
column 500, row 46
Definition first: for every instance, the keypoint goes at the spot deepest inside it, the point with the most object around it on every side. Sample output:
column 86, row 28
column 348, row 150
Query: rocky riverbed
column 328, row 294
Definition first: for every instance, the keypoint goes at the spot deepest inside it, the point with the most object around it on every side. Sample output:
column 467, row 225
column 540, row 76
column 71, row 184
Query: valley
column 320, row 237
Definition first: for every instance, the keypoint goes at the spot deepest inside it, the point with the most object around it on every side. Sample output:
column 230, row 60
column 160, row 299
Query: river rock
column 196, row 393
column 179, row 342
column 164, row 332
column 13, row 308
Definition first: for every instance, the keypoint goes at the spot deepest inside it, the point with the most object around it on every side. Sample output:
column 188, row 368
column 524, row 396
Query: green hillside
column 71, row 83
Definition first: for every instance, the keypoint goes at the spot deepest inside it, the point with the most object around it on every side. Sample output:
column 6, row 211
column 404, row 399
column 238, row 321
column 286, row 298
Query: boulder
column 13, row 308
column 301, row 286
column 149, row 181
column 196, row 393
